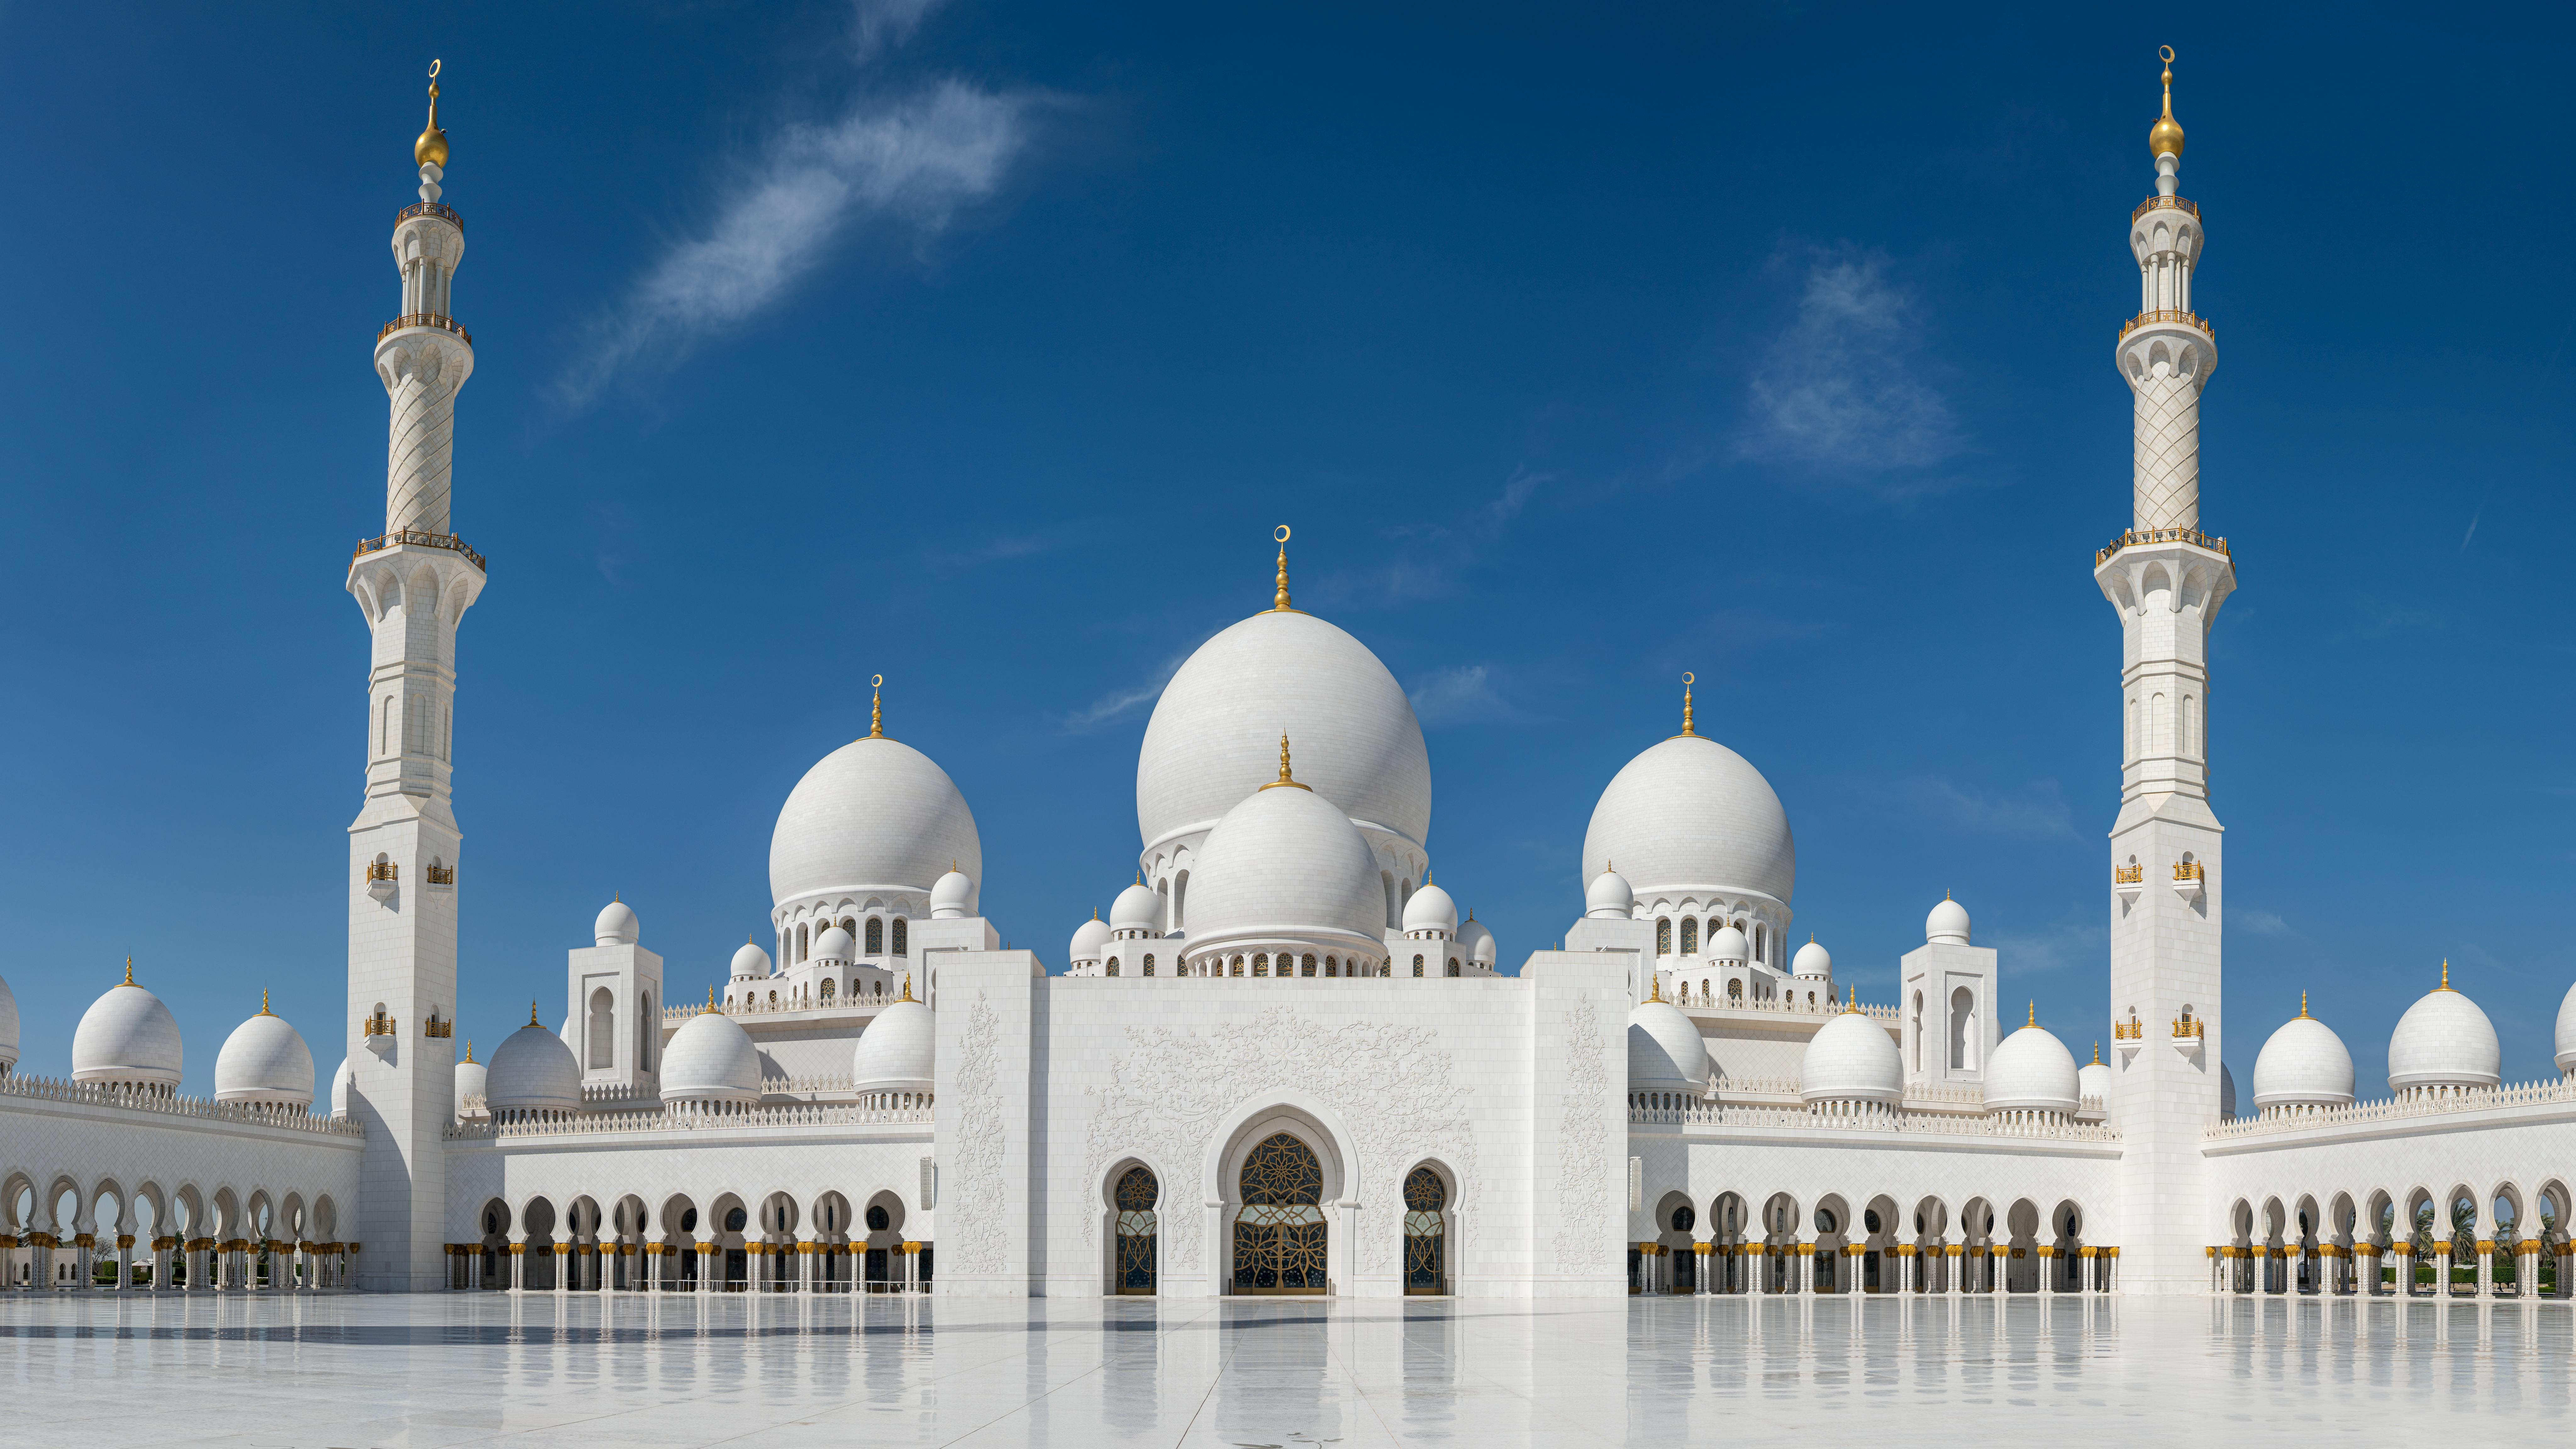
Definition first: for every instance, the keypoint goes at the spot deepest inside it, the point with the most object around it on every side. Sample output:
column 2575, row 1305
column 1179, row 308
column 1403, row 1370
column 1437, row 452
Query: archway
column 1279, row 1233
column 1426, row 1232
column 1136, row 1251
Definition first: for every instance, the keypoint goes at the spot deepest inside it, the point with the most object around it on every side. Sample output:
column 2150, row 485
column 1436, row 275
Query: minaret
column 2166, row 580
column 413, row 584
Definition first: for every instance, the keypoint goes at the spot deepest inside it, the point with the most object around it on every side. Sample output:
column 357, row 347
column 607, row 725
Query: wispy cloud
column 2261, row 923
column 1461, row 694
column 2071, row 943
column 2037, row 813
column 1842, row 387
column 1119, row 703
column 910, row 162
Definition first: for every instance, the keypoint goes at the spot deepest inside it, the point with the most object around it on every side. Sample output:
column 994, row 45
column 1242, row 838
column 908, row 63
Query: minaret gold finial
column 129, row 970
column 2166, row 138
column 1285, row 778
column 1279, row 602
column 532, row 1013
column 907, row 986
column 431, row 148
column 1688, row 679
column 876, row 716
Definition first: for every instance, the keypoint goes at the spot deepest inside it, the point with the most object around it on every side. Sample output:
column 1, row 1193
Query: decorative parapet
column 419, row 538
column 439, row 320
column 2284, row 1121
column 1902, row 1122
column 94, row 1094
column 2164, row 203
column 697, row 1118
column 857, row 1002
column 2136, row 536
column 450, row 215
column 1787, row 1004
column 2143, row 319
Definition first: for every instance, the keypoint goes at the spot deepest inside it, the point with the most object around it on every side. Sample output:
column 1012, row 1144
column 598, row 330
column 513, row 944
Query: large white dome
column 1211, row 740
column 1665, row 1052
column 264, row 1060
column 2031, row 1070
column 2444, row 1040
column 1687, row 814
column 533, row 1071
column 2304, row 1064
column 875, row 814
column 127, row 1036
column 895, row 1053
column 1851, row 1059
column 710, row 1059
column 1286, row 862
column 9, row 1026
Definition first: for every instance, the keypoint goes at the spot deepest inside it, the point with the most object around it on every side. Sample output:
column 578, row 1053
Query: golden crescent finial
column 434, row 65
column 876, row 707
column 1279, row 602
column 431, row 148
column 1280, row 533
column 2165, row 53
column 1688, row 679
column 876, row 681
column 2165, row 137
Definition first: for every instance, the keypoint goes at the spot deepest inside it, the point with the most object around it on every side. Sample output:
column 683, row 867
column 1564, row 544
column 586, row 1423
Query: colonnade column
column 707, row 1267
column 518, row 1264
column 652, row 1267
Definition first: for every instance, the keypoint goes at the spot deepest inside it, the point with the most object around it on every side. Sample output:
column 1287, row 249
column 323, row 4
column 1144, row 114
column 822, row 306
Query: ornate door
column 1426, row 1239
column 1137, row 1192
column 1279, row 1230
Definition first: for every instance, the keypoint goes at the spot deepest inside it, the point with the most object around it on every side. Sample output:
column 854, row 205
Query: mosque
column 1282, row 1063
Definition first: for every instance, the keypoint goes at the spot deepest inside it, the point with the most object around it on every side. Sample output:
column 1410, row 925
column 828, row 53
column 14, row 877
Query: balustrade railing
column 420, row 538
column 439, row 320
column 2170, row 314
column 2137, row 536
column 694, row 1118
column 1927, row 1124
column 2128, row 874
column 2560, row 1092
column 449, row 214
column 2165, row 203
column 94, row 1094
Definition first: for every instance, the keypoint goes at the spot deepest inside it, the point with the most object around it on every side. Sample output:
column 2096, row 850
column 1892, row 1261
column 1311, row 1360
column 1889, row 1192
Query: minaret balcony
column 2192, row 320
column 2127, row 881
column 450, row 215
column 449, row 324
column 420, row 539
column 2137, row 536
column 2190, row 877
column 2152, row 203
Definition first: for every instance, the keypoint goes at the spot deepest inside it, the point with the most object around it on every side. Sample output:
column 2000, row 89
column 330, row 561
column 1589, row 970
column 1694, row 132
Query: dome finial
column 907, row 986
column 129, row 971
column 532, row 1013
column 711, row 1001
column 1285, row 778
column 2166, row 137
column 2445, row 986
column 469, row 1051
column 263, row 1002
column 1851, row 1000
column 2034, row 1015
column 2097, row 1054
column 2303, row 1006
column 876, row 716
column 1688, row 679
column 431, row 148
column 1279, row 603
column 1655, row 987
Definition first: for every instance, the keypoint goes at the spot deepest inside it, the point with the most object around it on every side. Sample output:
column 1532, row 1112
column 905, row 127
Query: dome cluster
column 129, row 1042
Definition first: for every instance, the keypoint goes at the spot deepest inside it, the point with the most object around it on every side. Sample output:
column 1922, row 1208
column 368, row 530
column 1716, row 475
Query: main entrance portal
column 1279, row 1230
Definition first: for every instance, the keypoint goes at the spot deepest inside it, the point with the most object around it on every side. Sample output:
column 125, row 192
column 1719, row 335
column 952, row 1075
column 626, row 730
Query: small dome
column 1812, row 960
column 2303, row 1065
column 894, row 1054
column 1431, row 909
column 617, row 925
column 471, row 1080
column 1851, row 1059
column 750, row 962
column 1728, row 944
column 2093, row 1081
column 1137, row 908
column 2226, row 1092
column 1665, row 1052
column 533, row 1071
column 1476, row 941
column 1689, row 813
column 952, row 896
column 1947, row 925
column 2032, row 1071
column 9, row 1027
column 2444, row 1040
column 1609, row 897
column 341, row 1081
column 834, row 945
column 2566, row 1030
column 875, row 814
column 127, row 1037
column 710, row 1059
column 1285, row 861
column 1088, row 938
column 264, row 1060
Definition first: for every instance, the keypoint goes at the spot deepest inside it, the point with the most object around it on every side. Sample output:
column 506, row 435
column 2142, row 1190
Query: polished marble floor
column 641, row 1373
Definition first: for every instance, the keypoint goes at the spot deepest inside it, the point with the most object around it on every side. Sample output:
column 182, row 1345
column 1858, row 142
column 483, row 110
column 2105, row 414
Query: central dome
column 1214, row 735
column 874, row 814
column 1691, row 813
column 1286, row 863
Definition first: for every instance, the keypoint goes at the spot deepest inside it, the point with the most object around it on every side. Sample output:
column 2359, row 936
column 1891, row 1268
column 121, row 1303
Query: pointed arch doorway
column 1137, row 1193
column 1279, row 1235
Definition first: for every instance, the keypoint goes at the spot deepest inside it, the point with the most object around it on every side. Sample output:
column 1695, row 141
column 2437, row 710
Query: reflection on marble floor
column 641, row 1373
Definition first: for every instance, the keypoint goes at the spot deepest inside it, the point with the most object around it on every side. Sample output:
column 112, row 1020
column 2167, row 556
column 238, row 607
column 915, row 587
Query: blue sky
column 981, row 346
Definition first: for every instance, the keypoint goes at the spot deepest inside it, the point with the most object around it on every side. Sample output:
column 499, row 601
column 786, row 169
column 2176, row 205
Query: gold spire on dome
column 532, row 1013
column 2303, row 1006
column 907, row 986
column 2445, row 986
column 2097, row 1054
column 129, row 971
column 1655, row 990
column 711, row 1001
column 1286, row 779
column 1851, row 1000
column 263, row 1002
column 2166, row 138
column 1279, row 602
column 1688, row 679
column 469, row 1051
column 2034, row 1015
column 431, row 148
column 876, row 717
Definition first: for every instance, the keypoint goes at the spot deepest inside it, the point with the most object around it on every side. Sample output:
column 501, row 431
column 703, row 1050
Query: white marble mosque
column 875, row 1096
